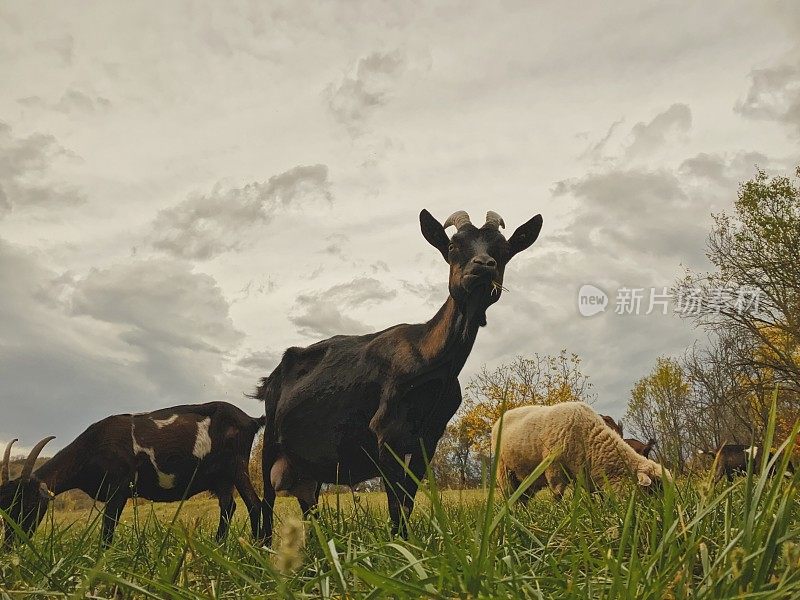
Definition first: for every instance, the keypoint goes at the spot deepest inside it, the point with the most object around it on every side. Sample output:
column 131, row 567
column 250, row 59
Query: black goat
column 345, row 409
column 164, row 456
column 732, row 459
column 638, row 446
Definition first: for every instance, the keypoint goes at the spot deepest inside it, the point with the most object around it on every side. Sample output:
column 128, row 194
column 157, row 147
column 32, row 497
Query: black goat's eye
column 451, row 248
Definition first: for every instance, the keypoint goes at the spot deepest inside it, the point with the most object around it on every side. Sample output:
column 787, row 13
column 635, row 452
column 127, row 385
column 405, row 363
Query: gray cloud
column 176, row 320
column 206, row 225
column 432, row 293
column 723, row 170
column 134, row 336
column 355, row 97
column 637, row 211
column 246, row 371
column 596, row 151
column 76, row 101
column 264, row 285
column 321, row 314
column 336, row 244
column 646, row 137
column 774, row 95
column 24, row 173
column 642, row 139
column 630, row 227
column 262, row 360
column 161, row 297
column 57, row 375
column 72, row 101
column 379, row 265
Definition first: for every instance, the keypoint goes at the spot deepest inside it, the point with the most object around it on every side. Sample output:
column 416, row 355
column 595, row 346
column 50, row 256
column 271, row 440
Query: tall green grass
column 694, row 540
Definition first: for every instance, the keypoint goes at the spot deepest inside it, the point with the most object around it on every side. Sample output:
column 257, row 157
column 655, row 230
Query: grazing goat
column 638, row 446
column 165, row 455
column 344, row 409
column 581, row 442
column 613, row 424
column 732, row 459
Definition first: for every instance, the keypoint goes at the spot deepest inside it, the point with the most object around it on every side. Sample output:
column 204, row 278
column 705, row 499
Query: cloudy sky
column 188, row 188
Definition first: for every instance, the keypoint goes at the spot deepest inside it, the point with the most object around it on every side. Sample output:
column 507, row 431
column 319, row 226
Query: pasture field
column 695, row 540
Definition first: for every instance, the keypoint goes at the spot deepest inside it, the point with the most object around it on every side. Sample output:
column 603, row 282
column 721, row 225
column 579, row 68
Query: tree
column 661, row 408
column 455, row 464
column 754, row 292
column 750, row 305
column 728, row 393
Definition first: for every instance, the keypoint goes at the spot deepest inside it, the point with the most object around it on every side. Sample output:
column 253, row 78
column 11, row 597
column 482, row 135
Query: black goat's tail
column 269, row 385
column 268, row 392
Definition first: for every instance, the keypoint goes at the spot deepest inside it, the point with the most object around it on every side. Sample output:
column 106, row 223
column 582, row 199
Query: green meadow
column 693, row 540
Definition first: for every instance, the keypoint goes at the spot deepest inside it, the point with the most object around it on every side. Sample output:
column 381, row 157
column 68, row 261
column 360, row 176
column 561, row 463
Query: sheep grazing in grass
column 582, row 442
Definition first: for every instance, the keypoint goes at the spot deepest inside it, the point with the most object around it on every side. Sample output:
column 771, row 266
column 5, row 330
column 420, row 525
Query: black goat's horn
column 5, row 469
column 459, row 218
column 31, row 460
column 494, row 220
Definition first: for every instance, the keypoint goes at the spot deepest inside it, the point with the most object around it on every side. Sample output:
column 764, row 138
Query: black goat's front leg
column 400, row 489
column 111, row 515
column 309, row 504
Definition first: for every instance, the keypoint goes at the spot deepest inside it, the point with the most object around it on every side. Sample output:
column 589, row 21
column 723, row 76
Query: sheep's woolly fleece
column 584, row 441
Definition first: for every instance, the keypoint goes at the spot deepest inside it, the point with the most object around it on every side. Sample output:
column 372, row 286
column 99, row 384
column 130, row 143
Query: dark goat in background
column 638, row 446
column 732, row 459
column 345, row 409
column 164, row 456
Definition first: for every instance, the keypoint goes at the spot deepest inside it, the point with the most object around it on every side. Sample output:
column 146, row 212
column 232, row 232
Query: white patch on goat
column 164, row 422
column 165, row 480
column 202, row 444
column 751, row 452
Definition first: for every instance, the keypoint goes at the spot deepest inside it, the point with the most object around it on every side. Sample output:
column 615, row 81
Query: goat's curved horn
column 459, row 218
column 5, row 469
column 31, row 460
column 494, row 220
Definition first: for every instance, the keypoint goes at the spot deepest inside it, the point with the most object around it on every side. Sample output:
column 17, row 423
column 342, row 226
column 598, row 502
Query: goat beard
column 475, row 308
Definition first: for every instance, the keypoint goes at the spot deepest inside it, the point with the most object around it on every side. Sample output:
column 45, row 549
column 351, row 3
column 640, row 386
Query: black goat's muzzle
column 478, row 277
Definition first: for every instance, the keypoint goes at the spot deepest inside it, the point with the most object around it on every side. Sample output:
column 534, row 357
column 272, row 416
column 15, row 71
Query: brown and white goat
column 163, row 456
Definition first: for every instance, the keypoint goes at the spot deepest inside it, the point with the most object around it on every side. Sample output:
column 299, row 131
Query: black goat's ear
column 434, row 232
column 525, row 235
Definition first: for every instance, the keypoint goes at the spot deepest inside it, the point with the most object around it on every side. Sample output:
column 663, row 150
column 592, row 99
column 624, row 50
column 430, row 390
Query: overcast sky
column 186, row 189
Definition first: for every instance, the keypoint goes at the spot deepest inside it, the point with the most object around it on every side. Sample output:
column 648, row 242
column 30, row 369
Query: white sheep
column 583, row 442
